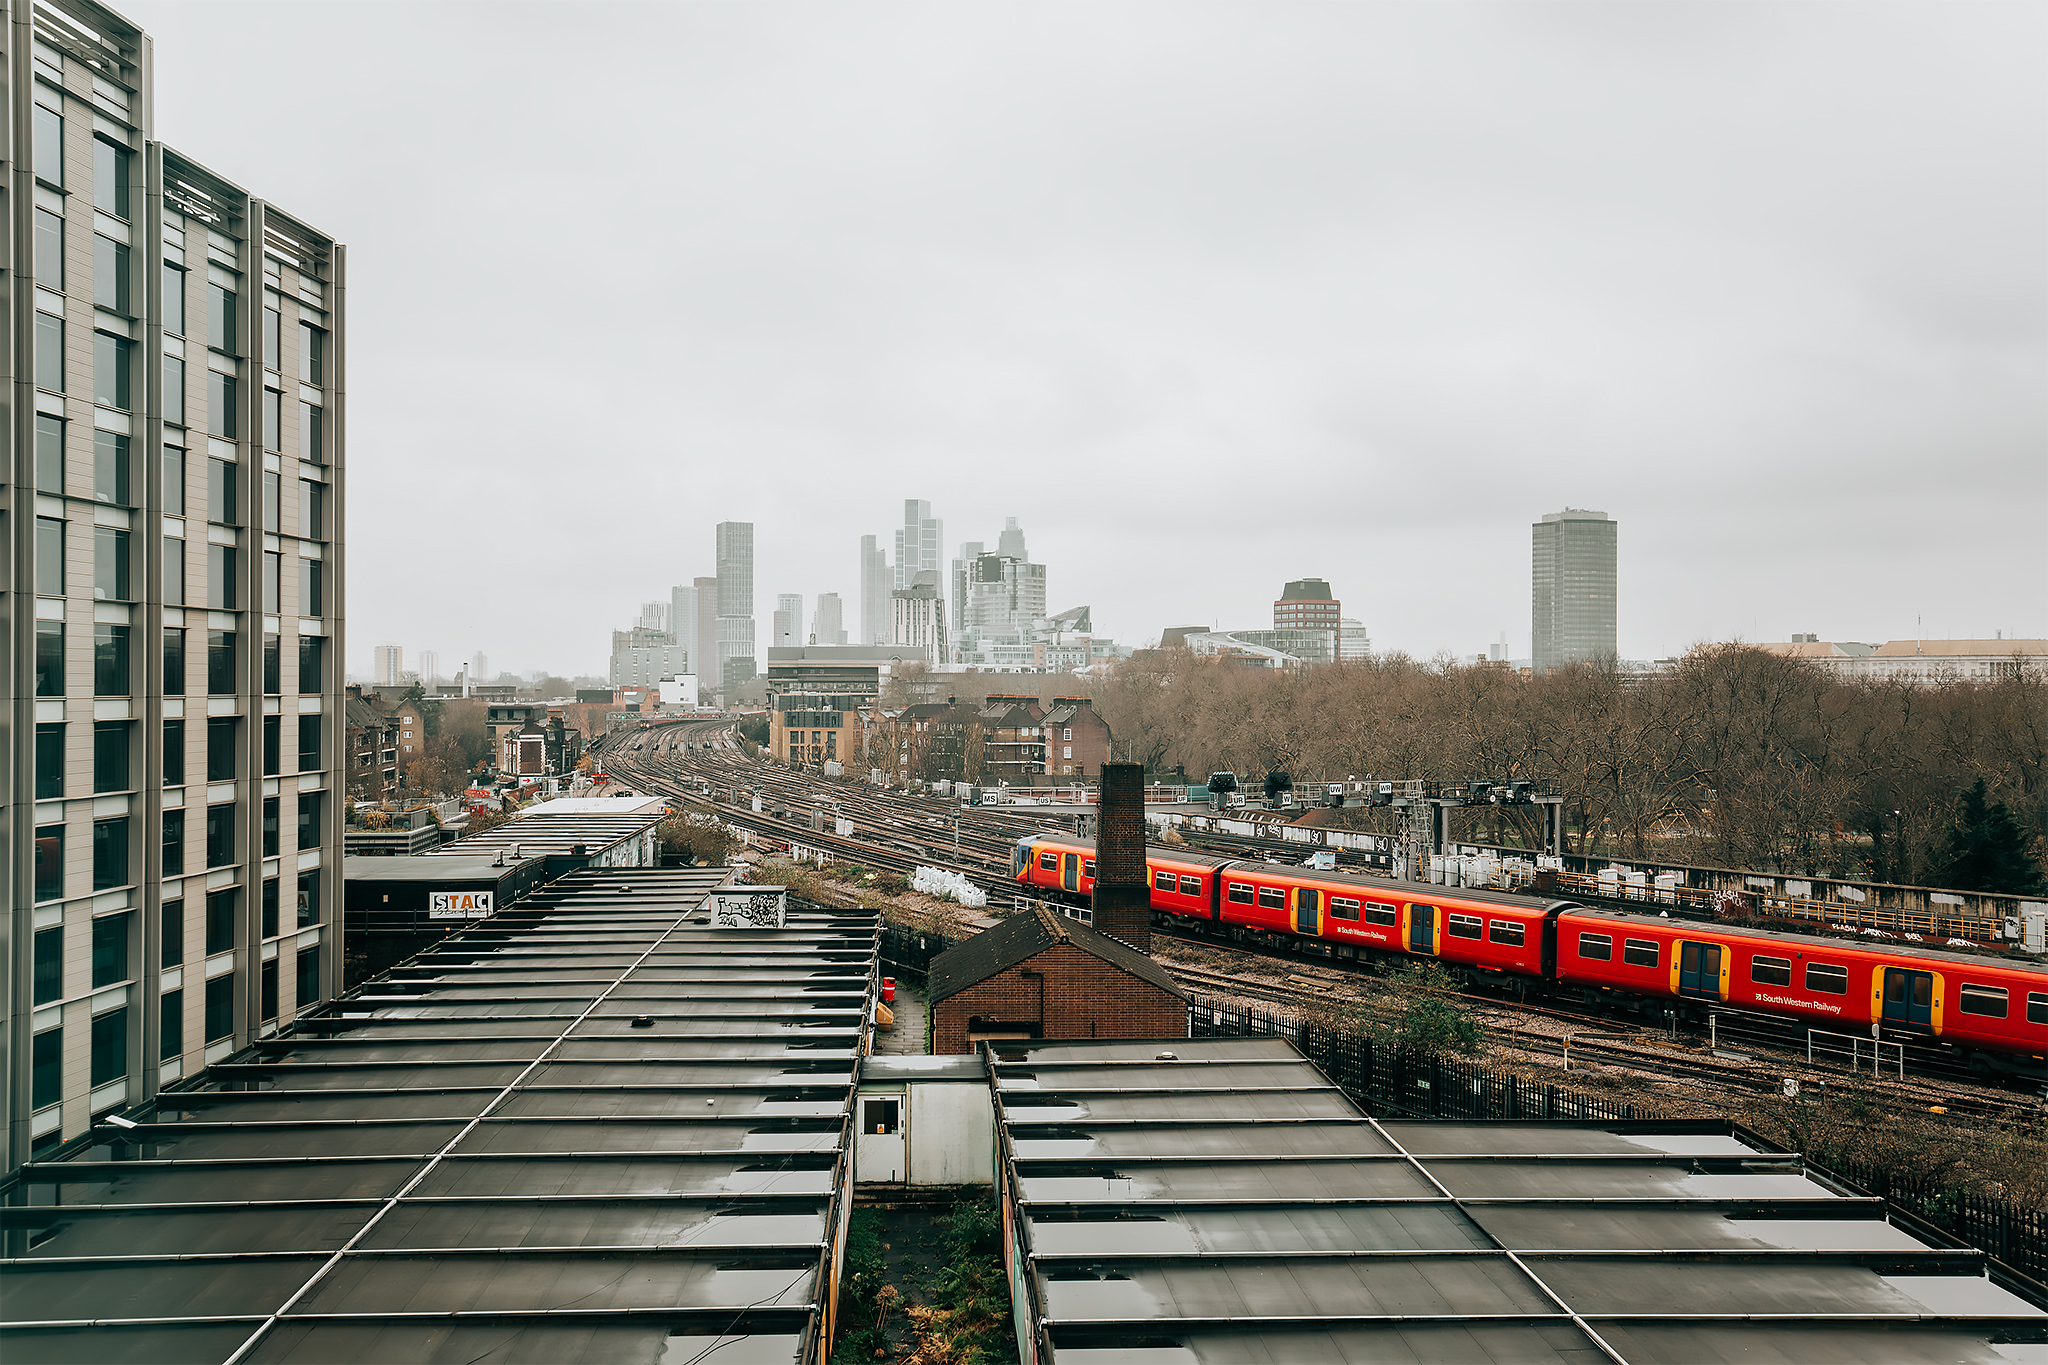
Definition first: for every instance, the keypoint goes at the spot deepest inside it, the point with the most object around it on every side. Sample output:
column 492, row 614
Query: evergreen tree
column 1986, row 850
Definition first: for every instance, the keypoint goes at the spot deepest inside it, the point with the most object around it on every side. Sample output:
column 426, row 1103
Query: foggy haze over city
column 1208, row 297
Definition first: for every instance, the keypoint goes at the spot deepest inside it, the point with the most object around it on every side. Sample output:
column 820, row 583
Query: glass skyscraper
column 1572, row 589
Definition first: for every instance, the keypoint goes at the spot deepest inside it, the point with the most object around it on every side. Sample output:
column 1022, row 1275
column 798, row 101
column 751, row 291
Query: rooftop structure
column 1573, row 584
column 1307, row 603
column 593, row 1127
column 1220, row 1200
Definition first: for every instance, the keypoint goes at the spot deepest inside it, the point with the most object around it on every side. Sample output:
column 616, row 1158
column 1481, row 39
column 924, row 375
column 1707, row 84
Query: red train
column 1994, row 1012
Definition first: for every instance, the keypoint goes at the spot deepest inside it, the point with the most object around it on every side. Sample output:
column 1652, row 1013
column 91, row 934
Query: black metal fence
column 1399, row 1082
column 910, row 951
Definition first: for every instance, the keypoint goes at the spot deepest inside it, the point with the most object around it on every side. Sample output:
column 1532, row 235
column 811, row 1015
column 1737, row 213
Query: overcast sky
column 1208, row 296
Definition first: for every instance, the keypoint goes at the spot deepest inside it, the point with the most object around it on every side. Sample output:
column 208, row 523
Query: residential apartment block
column 172, row 815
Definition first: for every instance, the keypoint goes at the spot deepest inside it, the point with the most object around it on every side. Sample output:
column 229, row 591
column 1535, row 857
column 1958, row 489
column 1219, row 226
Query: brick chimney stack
column 1123, row 896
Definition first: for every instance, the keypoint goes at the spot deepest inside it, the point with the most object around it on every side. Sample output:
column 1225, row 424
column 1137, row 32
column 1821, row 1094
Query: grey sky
column 1209, row 296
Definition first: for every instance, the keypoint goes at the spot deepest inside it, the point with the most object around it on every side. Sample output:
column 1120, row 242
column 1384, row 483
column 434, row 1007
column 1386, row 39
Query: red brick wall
column 1085, row 997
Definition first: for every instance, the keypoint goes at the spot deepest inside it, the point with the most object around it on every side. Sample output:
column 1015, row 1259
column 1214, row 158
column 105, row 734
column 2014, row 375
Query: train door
column 1070, row 871
column 1909, row 1000
column 1307, row 901
column 1699, row 970
column 1422, row 929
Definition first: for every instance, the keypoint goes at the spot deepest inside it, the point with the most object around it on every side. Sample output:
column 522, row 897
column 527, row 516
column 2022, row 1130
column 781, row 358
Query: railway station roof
column 593, row 1127
column 1191, row 1201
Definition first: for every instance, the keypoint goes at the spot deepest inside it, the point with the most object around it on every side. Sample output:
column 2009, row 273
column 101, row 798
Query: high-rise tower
column 918, row 544
column 875, row 586
column 735, row 603
column 1572, row 582
column 176, row 773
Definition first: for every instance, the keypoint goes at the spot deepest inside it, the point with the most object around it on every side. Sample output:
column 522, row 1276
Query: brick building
column 1013, row 740
column 1076, row 739
column 937, row 741
column 1038, row 975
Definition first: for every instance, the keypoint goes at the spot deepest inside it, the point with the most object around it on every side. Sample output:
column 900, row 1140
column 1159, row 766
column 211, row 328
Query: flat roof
column 452, row 867
column 1188, row 1201
column 593, row 1127
column 556, row 834
column 593, row 805
column 890, row 1066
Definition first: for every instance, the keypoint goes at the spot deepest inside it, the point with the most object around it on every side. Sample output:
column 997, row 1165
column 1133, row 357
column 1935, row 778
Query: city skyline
column 1763, row 282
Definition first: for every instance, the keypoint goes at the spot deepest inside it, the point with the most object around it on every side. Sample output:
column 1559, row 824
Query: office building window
column 312, row 599
column 174, row 572
column 220, row 919
column 46, row 1069
column 174, row 392
column 174, row 481
column 220, row 662
column 170, row 1025
column 49, row 557
column 309, row 818
column 272, row 493
column 311, row 441
column 110, row 576
column 109, row 950
column 110, row 283
column 49, row 862
column 174, row 843
column 110, row 755
column 174, row 661
column 113, row 360
column 309, row 744
column 49, row 147
column 266, row 990
column 220, row 1008
column 221, row 393
column 49, row 454
column 174, row 753
column 221, row 733
column 220, row 835
column 109, row 1046
column 109, row 660
column 273, row 425
column 49, row 248
column 273, row 730
column 312, row 651
column 110, row 854
column 270, row 909
column 49, row 658
column 220, row 313
column 49, row 353
column 110, row 483
column 312, row 353
column 312, row 509
column 273, row 572
column 171, row 938
column 223, row 568
column 309, row 896
column 110, row 177
column 223, row 493
column 174, row 298
column 270, row 819
column 273, row 326
column 309, row 977
column 49, row 759
column 273, row 668
column 49, row 964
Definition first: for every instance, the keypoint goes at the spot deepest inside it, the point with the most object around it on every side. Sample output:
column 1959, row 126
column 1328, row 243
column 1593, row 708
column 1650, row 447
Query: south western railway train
column 1992, row 1012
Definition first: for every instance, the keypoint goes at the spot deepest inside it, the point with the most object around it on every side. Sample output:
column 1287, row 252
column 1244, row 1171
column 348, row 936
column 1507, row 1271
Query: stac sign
column 460, row 904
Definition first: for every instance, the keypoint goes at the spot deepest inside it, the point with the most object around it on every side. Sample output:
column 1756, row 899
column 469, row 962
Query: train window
column 1162, row 881
column 1988, row 1001
column 1241, row 893
column 1465, row 926
column 1507, row 931
column 1375, row 913
column 1191, row 886
column 1048, row 862
column 1600, row 947
column 1639, row 952
column 1827, row 978
column 2037, row 1008
column 1342, row 907
column 1771, row 971
column 1087, row 867
column 1272, row 898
